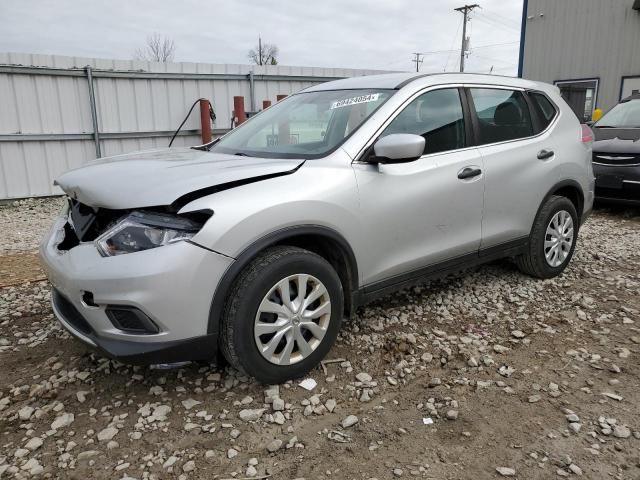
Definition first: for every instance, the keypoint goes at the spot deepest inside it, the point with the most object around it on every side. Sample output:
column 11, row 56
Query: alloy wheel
column 292, row 319
column 559, row 238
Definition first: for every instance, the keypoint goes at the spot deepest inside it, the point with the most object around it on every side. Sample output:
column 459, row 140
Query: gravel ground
column 487, row 374
column 23, row 223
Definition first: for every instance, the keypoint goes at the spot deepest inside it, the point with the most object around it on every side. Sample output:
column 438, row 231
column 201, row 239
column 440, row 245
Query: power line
column 505, row 62
column 503, row 18
column 493, row 22
column 465, row 11
column 451, row 48
column 430, row 52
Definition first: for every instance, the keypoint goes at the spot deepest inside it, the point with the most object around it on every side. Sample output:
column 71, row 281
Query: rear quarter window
column 544, row 108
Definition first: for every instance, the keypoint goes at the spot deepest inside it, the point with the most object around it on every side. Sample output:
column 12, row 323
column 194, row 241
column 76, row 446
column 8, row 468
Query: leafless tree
column 158, row 48
column 264, row 54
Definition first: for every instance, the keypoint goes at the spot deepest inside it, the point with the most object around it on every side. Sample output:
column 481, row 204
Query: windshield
column 306, row 125
column 623, row 115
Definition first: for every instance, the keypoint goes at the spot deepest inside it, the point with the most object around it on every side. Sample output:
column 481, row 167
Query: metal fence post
column 252, row 91
column 94, row 114
column 205, row 120
column 239, row 114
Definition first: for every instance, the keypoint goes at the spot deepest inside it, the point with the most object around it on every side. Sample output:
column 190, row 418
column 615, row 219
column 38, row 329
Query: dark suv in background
column 616, row 153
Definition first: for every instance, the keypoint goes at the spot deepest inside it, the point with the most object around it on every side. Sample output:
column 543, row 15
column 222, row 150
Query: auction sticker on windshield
column 372, row 97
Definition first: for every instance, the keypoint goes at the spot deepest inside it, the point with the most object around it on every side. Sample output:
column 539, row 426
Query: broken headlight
column 144, row 230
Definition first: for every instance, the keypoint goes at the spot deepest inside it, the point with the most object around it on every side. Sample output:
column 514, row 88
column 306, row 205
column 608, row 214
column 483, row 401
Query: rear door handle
column 544, row 154
column 468, row 172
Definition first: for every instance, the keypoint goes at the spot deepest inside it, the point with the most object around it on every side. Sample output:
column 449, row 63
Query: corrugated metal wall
column 578, row 39
column 50, row 113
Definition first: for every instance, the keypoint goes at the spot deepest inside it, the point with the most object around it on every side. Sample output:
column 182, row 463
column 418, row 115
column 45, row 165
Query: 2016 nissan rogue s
column 260, row 243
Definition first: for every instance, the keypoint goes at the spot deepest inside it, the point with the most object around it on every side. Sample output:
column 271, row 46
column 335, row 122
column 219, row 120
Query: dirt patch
column 20, row 268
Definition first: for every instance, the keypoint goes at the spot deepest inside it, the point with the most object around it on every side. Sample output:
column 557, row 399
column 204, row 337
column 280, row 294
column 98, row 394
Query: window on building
column 580, row 95
column 502, row 114
column 546, row 109
column 437, row 116
column 630, row 86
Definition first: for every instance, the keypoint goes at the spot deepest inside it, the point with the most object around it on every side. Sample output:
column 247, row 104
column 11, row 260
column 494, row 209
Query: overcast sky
column 378, row 34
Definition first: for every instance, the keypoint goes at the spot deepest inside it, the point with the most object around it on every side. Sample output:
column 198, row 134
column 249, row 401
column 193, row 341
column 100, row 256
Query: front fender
column 323, row 196
column 320, row 201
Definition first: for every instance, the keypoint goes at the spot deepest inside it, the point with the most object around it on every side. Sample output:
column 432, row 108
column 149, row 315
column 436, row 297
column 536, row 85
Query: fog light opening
column 131, row 320
column 87, row 299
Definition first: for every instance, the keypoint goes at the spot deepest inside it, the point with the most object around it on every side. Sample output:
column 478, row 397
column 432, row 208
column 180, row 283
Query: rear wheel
column 283, row 314
column 553, row 239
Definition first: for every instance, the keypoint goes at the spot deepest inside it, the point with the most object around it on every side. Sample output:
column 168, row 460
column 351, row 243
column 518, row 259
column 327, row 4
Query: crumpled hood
column 160, row 177
column 617, row 145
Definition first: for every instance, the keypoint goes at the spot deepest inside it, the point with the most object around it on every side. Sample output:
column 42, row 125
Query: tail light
column 586, row 133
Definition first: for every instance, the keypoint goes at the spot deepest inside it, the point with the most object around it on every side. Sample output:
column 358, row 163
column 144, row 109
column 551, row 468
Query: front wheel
column 283, row 314
column 553, row 239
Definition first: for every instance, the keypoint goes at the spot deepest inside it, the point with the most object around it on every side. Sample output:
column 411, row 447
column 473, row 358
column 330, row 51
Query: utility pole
column 465, row 10
column 417, row 59
column 259, row 50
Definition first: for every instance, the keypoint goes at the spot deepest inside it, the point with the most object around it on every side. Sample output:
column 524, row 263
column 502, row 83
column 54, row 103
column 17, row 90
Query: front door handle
column 544, row 154
column 469, row 173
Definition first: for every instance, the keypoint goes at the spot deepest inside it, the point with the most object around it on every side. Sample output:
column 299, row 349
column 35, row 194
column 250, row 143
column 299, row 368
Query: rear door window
column 502, row 115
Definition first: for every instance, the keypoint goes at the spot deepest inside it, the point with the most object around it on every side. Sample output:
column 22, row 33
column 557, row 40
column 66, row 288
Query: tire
column 244, row 313
column 534, row 262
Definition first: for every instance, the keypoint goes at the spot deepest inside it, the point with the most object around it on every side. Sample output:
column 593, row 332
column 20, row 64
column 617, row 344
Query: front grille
column 89, row 223
column 70, row 314
column 616, row 159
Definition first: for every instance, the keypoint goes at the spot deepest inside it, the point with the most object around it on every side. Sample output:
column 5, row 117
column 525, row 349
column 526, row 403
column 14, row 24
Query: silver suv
column 260, row 243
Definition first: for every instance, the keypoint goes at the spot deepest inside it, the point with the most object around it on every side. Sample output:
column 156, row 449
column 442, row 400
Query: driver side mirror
column 398, row 148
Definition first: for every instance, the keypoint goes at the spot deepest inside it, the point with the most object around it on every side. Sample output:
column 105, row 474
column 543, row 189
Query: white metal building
column 589, row 48
column 59, row 112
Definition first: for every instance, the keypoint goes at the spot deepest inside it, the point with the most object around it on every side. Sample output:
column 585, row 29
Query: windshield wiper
column 242, row 154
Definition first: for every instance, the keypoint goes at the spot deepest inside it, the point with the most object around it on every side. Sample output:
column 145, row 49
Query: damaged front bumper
column 146, row 307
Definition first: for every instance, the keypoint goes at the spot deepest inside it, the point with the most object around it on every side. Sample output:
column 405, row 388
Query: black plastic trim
column 534, row 114
column 473, row 117
column 147, row 353
column 470, row 136
column 224, row 286
column 617, row 201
